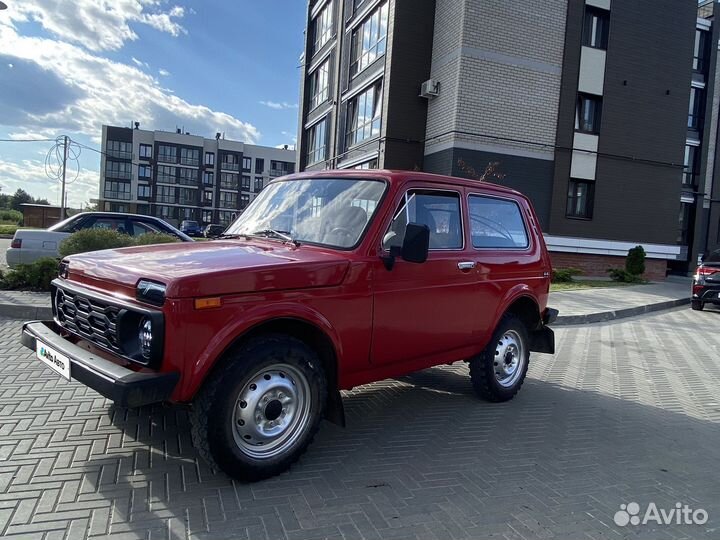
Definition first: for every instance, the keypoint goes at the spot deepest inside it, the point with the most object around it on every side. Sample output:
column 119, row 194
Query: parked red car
column 328, row 280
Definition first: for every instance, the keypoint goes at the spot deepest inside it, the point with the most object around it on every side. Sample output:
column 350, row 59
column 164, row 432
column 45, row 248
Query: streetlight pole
column 64, row 167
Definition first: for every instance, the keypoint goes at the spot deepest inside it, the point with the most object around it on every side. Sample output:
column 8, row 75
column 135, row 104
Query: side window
column 439, row 210
column 496, row 223
column 140, row 227
column 114, row 224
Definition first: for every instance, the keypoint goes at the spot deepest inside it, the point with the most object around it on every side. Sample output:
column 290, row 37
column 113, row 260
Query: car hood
column 212, row 268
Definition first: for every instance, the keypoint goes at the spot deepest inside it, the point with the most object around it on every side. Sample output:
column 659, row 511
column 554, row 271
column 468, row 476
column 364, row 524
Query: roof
column 33, row 205
column 395, row 176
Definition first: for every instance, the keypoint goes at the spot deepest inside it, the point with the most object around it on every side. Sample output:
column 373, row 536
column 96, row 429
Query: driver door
column 422, row 310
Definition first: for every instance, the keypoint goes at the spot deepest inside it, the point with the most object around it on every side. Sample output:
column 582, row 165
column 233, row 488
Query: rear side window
column 496, row 223
column 141, row 227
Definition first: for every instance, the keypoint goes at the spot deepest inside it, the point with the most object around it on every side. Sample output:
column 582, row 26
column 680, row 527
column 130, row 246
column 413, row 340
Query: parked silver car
column 29, row 245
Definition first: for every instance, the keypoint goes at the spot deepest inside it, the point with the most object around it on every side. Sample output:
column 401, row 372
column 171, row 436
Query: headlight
column 145, row 337
column 151, row 292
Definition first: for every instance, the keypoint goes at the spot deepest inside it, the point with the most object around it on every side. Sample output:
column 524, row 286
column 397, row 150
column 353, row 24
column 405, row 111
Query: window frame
column 173, row 153
column 320, row 39
column 319, row 96
column 149, row 191
column 317, row 154
column 357, row 40
column 604, row 34
column 696, row 108
column 597, row 116
column 143, row 151
column 353, row 107
column 523, row 218
column 403, row 197
column 590, row 200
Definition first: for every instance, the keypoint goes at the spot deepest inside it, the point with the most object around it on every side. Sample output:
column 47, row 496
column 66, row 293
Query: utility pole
column 62, row 194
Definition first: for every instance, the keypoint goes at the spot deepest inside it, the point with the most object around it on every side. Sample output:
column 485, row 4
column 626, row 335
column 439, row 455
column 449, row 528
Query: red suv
column 327, row 281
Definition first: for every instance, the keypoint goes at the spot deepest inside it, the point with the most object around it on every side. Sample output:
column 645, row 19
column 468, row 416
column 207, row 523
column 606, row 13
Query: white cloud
column 98, row 24
column 139, row 63
column 163, row 72
column 106, row 92
column 278, row 105
column 30, row 175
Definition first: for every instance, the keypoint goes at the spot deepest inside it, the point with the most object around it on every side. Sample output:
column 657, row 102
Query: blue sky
column 209, row 65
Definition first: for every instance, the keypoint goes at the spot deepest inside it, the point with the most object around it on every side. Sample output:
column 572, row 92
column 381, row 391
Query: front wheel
column 260, row 411
column 498, row 372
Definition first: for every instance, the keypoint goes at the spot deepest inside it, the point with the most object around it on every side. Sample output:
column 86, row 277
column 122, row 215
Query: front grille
column 88, row 318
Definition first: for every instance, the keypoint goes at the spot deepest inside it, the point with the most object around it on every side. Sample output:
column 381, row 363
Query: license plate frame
column 55, row 360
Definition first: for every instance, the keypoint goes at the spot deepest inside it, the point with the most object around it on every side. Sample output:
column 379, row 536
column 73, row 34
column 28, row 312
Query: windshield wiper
column 283, row 235
column 231, row 236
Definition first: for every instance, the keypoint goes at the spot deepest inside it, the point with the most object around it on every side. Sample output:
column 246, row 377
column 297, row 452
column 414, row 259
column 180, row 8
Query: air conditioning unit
column 430, row 89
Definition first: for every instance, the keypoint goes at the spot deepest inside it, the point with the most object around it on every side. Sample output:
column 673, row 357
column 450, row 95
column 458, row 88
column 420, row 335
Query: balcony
column 118, row 154
column 205, row 202
column 162, row 179
column 166, row 199
column 121, row 175
column 167, row 158
column 227, row 166
column 118, row 195
column 188, row 181
column 193, row 162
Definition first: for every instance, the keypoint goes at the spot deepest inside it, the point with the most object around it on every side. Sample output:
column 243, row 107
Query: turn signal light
column 207, row 303
column 16, row 243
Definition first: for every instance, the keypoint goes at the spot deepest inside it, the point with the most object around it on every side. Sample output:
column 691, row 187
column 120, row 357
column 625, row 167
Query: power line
column 27, row 140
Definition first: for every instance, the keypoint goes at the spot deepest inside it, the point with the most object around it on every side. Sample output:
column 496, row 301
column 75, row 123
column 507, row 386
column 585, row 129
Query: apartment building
column 179, row 176
column 580, row 104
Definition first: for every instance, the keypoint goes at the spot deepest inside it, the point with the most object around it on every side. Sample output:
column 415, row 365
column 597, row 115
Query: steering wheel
column 343, row 230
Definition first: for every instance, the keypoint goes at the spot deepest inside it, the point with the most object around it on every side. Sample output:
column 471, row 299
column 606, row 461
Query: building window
column 117, row 190
column 245, row 183
column 188, row 177
column 695, row 113
column 281, row 168
column 580, row 199
column 595, row 31
column 230, row 162
column 143, row 209
column 118, row 169
column 166, row 194
column 166, row 212
column 187, row 196
column 166, row 174
column 322, row 27
column 229, row 181
column 167, row 154
column 244, row 200
column 259, row 165
column 145, row 151
column 690, row 165
column 357, row 4
column 228, row 199
column 259, row 185
column 143, row 191
column 364, row 113
column 685, row 220
column 701, row 50
column 317, row 142
column 589, row 113
column 320, row 84
column 210, row 158
column 190, row 156
column 369, row 40
column 209, row 178
column 207, row 216
column 247, row 164
column 207, row 197
column 226, row 218
column 119, row 149
column 372, row 164
column 144, row 171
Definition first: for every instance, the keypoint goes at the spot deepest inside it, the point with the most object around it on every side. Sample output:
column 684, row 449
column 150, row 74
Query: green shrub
column 93, row 240
column 35, row 276
column 635, row 261
column 623, row 276
column 8, row 229
column 154, row 238
column 12, row 216
column 565, row 275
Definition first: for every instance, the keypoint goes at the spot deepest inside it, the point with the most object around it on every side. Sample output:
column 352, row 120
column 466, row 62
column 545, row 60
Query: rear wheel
column 499, row 371
column 697, row 305
column 258, row 414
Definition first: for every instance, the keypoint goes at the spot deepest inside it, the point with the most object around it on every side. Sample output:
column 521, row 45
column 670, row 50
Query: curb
column 25, row 312
column 605, row 316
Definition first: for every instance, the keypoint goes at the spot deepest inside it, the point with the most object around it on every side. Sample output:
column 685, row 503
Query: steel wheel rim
column 272, row 411
column 509, row 360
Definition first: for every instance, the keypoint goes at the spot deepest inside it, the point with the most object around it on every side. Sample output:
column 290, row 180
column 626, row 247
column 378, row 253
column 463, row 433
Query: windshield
column 328, row 211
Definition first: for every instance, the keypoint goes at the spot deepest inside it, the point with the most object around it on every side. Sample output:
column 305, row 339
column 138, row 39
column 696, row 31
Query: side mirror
column 416, row 243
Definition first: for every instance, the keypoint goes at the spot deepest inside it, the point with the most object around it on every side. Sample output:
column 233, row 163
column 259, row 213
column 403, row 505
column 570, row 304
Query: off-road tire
column 212, row 412
column 482, row 366
column 697, row 305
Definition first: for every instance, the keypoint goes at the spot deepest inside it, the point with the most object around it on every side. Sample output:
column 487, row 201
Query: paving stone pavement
column 624, row 412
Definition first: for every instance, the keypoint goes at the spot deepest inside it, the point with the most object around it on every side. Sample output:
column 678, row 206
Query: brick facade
column 597, row 265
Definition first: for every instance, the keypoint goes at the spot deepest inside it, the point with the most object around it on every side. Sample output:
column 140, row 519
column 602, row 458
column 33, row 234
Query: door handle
column 466, row 265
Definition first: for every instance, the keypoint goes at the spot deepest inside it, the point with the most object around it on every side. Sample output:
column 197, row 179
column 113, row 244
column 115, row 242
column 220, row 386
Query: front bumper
column 127, row 388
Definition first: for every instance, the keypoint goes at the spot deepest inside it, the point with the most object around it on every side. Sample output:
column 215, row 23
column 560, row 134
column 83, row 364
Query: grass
column 8, row 228
column 587, row 284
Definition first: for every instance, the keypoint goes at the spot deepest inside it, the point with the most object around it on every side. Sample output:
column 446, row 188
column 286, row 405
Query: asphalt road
column 4, row 244
column 625, row 412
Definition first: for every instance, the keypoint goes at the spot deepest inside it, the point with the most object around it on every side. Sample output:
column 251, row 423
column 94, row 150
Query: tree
column 20, row 197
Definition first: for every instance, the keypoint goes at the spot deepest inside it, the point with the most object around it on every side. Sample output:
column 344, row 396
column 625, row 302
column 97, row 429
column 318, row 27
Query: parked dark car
column 191, row 228
column 706, row 282
column 29, row 245
column 213, row 230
